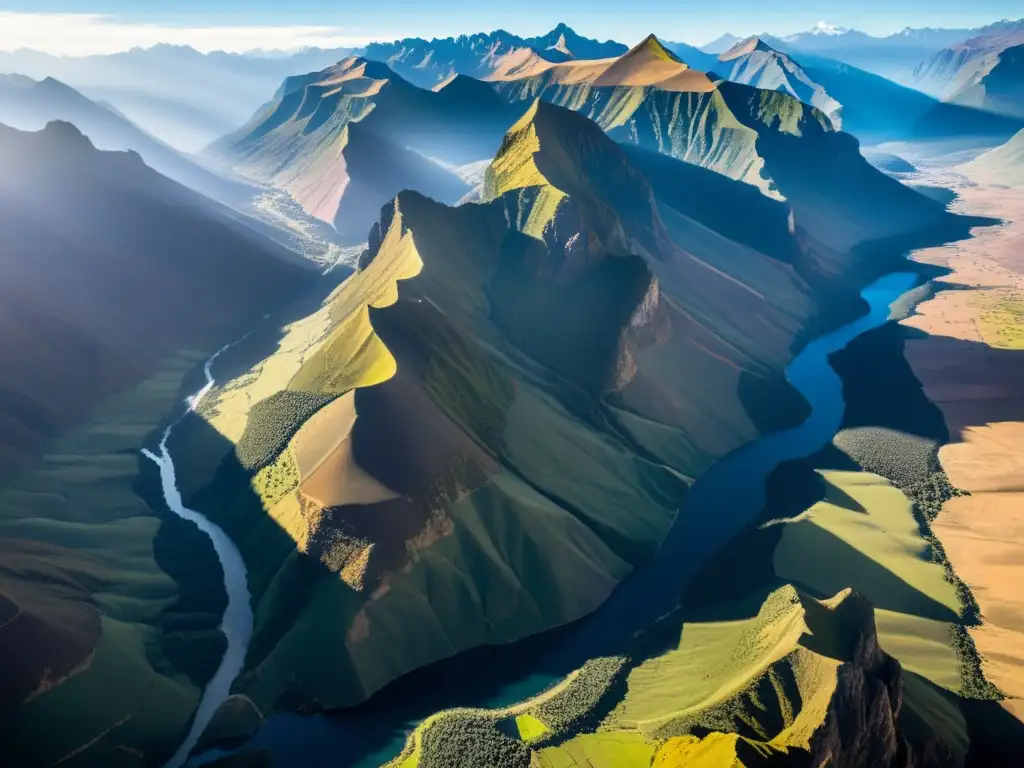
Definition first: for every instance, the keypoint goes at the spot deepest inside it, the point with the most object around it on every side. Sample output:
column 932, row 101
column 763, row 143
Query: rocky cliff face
column 862, row 725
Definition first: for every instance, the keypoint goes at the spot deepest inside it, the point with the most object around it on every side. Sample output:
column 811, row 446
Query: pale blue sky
column 286, row 23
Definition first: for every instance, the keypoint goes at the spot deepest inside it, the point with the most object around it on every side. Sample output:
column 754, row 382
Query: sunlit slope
column 1000, row 89
column 759, row 666
column 635, row 97
column 491, row 423
column 754, row 62
column 777, row 678
column 1003, row 165
column 115, row 285
column 345, row 140
column 767, row 138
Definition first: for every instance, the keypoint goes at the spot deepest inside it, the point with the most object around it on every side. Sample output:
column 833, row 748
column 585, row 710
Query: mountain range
column 346, row 140
column 596, row 447
column 427, row 63
column 30, row 105
column 892, row 56
column 596, row 295
column 177, row 94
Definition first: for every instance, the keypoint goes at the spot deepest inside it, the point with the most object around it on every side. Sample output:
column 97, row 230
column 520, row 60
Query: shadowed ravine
column 237, row 622
column 725, row 500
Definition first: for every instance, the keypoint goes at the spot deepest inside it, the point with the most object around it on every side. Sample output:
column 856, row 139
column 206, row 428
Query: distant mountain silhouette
column 29, row 105
column 428, row 62
column 1001, row 88
column 892, row 56
column 720, row 44
column 876, row 109
column 183, row 97
column 963, row 65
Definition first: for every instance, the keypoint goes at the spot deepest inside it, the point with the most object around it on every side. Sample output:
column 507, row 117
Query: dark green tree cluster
column 470, row 741
column 973, row 684
column 588, row 698
column 273, row 422
column 931, row 493
column 901, row 458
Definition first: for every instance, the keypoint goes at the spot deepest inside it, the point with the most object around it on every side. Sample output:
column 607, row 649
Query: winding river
column 237, row 622
column 718, row 506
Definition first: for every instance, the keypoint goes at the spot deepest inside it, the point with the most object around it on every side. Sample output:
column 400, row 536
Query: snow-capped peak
column 824, row 28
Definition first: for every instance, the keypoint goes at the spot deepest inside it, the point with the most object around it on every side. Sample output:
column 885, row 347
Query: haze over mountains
column 114, row 281
column 181, row 96
column 983, row 71
column 596, row 444
column 30, row 105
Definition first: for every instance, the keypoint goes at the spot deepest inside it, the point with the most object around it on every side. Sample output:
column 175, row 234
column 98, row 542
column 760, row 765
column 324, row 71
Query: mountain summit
column 754, row 62
column 428, row 62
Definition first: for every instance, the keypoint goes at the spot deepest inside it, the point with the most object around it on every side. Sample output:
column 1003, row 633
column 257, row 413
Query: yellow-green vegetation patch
column 867, row 538
column 353, row 356
column 587, row 697
column 1001, row 320
column 608, row 749
column 530, row 728
column 716, row 750
column 713, row 665
column 276, row 480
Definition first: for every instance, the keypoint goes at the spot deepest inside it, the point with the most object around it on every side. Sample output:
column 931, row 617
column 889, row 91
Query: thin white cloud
column 80, row 34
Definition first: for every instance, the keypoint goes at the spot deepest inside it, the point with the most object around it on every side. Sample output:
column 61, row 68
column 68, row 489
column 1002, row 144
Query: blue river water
column 719, row 506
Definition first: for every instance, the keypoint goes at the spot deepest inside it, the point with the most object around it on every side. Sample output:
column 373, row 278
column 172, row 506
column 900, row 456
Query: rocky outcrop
column 862, row 724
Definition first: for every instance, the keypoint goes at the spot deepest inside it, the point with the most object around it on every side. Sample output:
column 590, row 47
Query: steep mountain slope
column 768, row 139
column 626, row 97
column 115, row 283
column 754, row 62
column 428, row 62
column 877, row 110
column 693, row 57
column 1003, row 165
column 512, row 393
column 1001, row 88
column 345, row 140
column 183, row 97
column 29, row 105
column 792, row 680
column 961, row 66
